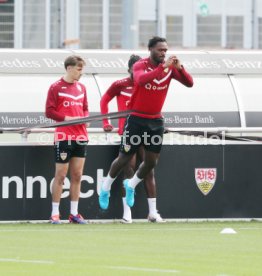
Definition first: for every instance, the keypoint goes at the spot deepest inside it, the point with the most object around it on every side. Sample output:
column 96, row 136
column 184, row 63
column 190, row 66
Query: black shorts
column 64, row 150
column 142, row 131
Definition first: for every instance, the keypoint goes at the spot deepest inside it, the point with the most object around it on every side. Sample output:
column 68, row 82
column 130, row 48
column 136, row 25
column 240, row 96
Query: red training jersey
column 151, row 85
column 67, row 99
column 122, row 90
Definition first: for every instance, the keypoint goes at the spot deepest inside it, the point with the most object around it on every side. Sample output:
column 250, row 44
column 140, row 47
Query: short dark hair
column 132, row 60
column 73, row 61
column 154, row 40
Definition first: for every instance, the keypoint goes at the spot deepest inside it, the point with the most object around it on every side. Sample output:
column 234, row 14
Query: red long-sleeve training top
column 151, row 85
column 67, row 99
column 122, row 90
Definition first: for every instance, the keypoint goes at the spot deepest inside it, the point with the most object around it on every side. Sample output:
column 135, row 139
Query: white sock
column 152, row 206
column 134, row 181
column 55, row 208
column 127, row 211
column 74, row 208
column 107, row 183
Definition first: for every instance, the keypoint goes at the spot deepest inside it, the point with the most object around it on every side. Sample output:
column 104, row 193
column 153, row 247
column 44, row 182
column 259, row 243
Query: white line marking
column 110, row 221
column 126, row 229
column 143, row 269
column 26, row 261
column 108, row 230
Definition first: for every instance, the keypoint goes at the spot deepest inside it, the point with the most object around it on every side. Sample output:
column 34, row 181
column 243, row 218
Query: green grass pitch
column 175, row 248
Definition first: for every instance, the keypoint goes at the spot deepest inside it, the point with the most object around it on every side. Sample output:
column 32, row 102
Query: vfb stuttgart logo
column 205, row 179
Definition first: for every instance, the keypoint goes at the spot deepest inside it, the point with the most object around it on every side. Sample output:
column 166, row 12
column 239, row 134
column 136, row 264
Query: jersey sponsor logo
column 205, row 179
column 72, row 103
column 149, row 86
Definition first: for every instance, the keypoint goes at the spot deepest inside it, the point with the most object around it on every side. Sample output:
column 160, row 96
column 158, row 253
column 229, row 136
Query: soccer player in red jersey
column 122, row 90
column 145, row 125
column 67, row 100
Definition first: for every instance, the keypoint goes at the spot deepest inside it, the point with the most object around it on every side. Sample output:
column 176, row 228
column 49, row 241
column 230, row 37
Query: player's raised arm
column 180, row 73
column 141, row 77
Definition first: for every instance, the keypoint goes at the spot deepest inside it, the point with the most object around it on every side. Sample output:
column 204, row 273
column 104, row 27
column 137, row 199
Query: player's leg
column 76, row 166
column 154, row 134
column 128, row 172
column 145, row 167
column 126, row 153
column 150, row 187
column 119, row 164
column 62, row 155
column 116, row 167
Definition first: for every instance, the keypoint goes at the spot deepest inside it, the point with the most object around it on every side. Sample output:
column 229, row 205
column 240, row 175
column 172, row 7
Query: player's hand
column 173, row 61
column 108, row 127
column 87, row 124
column 169, row 62
column 177, row 63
